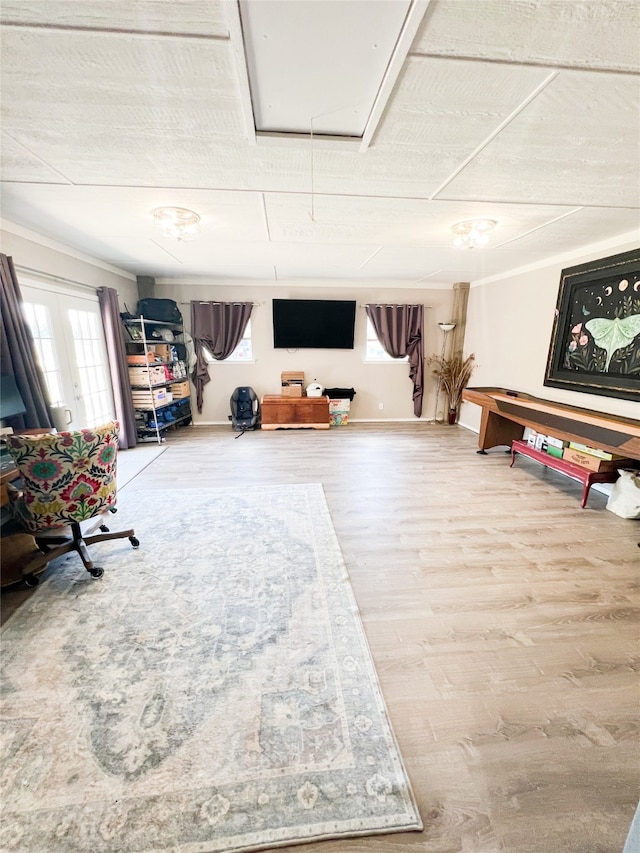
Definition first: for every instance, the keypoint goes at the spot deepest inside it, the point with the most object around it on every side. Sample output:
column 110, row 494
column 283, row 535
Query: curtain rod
column 50, row 277
column 393, row 305
column 217, row 302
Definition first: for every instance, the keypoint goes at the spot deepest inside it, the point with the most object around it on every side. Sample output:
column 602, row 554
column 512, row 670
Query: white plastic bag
column 624, row 499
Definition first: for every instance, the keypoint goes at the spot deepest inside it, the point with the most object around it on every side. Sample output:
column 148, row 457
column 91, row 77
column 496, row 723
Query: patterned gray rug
column 213, row 692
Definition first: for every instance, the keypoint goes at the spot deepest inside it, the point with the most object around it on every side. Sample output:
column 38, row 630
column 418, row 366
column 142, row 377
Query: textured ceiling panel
column 208, row 272
column 57, row 212
column 341, row 221
column 118, row 93
column 303, row 260
column 16, row 163
column 110, row 109
column 401, row 222
column 435, row 265
column 582, row 33
column 563, row 147
column 444, row 106
column 576, row 230
column 196, row 17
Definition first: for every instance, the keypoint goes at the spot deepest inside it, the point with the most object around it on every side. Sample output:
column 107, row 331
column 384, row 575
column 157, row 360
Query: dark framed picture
column 135, row 332
column 595, row 342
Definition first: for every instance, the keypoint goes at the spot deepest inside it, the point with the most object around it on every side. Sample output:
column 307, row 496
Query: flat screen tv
column 313, row 323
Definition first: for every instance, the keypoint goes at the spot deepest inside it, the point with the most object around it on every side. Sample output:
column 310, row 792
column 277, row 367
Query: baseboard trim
column 429, row 421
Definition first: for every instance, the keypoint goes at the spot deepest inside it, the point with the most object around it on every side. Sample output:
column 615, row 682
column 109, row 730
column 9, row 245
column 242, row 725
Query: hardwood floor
column 502, row 617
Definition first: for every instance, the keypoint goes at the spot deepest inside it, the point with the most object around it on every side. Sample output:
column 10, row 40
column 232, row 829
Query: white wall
column 53, row 259
column 388, row 384
column 509, row 327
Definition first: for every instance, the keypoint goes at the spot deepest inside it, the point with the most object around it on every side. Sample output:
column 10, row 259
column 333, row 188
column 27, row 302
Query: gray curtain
column 18, row 354
column 117, row 353
column 400, row 330
column 218, row 326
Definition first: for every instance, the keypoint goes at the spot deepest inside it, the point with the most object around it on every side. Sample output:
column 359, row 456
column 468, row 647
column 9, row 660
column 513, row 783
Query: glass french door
column 69, row 340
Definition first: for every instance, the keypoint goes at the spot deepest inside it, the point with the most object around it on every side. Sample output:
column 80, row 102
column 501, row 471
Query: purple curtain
column 18, row 354
column 400, row 330
column 218, row 326
column 117, row 353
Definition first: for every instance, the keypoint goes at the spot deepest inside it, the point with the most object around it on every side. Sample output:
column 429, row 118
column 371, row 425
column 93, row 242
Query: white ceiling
column 522, row 111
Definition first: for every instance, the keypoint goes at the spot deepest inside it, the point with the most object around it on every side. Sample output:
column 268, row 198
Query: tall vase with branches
column 454, row 374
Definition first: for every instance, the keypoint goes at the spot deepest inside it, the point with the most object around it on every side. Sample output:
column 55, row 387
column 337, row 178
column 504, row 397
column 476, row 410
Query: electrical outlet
column 381, row 405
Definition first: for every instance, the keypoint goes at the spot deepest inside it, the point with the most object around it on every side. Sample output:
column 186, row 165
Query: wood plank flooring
column 502, row 617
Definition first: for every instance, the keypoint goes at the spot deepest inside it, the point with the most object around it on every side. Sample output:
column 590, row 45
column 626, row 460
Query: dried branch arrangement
column 454, row 373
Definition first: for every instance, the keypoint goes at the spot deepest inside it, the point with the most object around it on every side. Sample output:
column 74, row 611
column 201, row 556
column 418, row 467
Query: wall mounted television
column 313, row 323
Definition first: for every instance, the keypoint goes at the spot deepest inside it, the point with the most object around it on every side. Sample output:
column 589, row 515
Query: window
column 375, row 350
column 242, row 353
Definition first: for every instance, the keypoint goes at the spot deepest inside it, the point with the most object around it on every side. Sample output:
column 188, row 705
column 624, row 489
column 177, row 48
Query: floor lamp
column 445, row 328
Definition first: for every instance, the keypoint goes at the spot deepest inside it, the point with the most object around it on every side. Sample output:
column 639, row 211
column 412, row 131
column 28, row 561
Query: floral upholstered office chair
column 66, row 478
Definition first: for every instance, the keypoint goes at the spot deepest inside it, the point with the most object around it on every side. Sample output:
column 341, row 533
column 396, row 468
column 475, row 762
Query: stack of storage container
column 340, row 400
column 583, row 455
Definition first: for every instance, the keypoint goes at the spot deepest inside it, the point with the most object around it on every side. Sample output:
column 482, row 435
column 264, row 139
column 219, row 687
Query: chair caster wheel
column 135, row 542
column 96, row 572
column 104, row 528
column 31, row 581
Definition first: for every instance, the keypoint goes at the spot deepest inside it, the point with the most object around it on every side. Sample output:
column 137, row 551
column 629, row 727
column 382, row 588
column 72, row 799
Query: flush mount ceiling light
column 473, row 233
column 178, row 223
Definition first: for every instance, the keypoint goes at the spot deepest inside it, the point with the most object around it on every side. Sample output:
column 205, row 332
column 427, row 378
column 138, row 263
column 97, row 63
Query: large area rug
column 212, row 692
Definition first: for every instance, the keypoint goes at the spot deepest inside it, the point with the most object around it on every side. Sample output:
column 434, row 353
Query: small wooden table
column 294, row 412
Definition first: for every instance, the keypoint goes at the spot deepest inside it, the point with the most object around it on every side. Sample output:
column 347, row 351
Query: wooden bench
column 576, row 472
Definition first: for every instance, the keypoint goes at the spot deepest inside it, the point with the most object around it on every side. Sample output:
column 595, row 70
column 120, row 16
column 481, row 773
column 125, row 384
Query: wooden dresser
column 294, row 412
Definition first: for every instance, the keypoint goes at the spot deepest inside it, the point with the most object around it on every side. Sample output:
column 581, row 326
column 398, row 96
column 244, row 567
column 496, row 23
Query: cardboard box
column 593, row 451
column 163, row 351
column 338, row 418
column 591, row 462
column 180, row 390
column 291, row 391
column 336, row 406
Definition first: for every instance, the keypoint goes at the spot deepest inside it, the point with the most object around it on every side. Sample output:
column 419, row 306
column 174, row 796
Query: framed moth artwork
column 595, row 341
